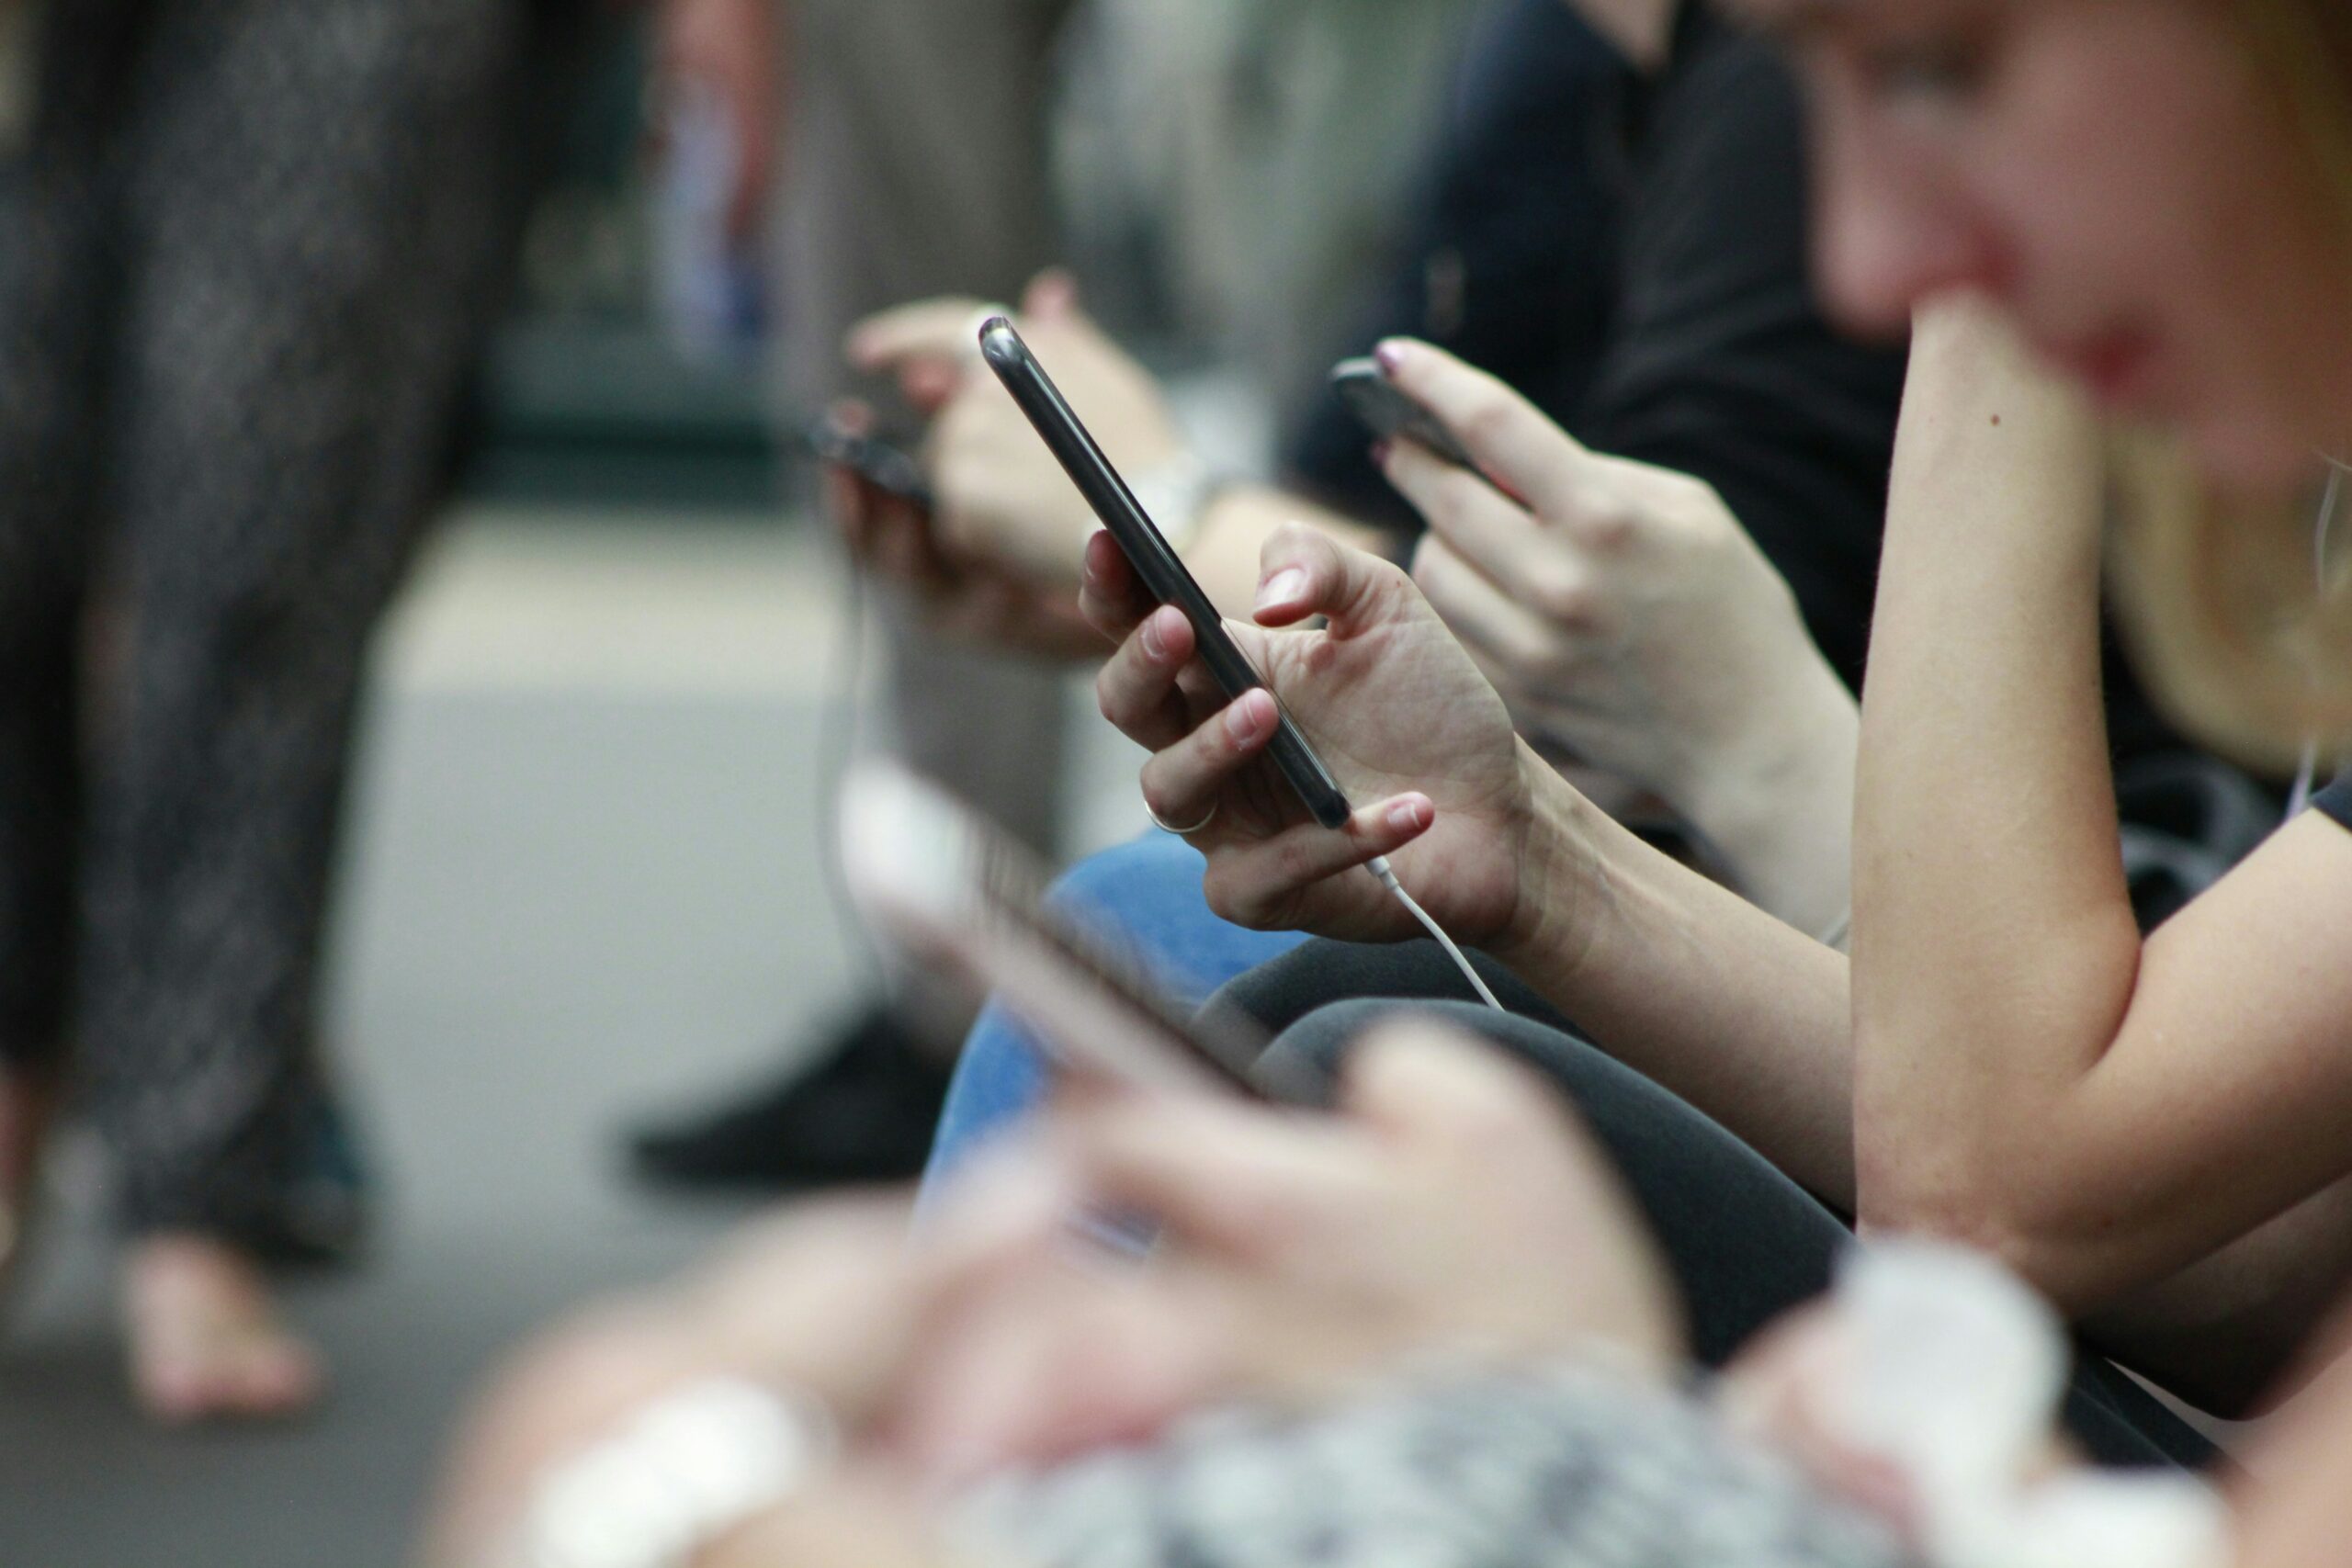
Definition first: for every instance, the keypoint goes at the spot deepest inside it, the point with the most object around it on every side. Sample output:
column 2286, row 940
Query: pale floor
column 583, row 885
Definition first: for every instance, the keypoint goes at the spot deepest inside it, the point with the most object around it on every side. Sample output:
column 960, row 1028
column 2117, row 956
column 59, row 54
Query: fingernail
column 1283, row 588
column 1246, row 719
column 1390, row 357
column 1380, row 450
column 1409, row 815
column 1153, row 643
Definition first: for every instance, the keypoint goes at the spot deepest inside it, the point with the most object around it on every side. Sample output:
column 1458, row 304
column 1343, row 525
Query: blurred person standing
column 906, row 149
column 900, row 150
column 889, row 149
column 252, row 247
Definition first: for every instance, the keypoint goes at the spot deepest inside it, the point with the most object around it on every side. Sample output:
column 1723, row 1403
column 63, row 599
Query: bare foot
column 206, row 1340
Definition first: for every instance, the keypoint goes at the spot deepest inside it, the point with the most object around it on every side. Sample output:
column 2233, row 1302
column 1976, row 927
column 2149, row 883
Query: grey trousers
column 247, row 253
column 1745, row 1242
column 916, row 165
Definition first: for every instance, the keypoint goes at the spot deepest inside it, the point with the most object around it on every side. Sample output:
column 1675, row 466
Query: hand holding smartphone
column 1157, row 564
column 888, row 468
column 1373, row 398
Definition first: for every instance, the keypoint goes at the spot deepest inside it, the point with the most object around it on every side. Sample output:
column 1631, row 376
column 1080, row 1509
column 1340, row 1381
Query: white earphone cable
column 1378, row 866
column 2307, row 775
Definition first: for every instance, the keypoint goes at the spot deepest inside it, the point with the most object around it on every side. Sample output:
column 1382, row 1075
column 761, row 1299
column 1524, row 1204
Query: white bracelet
column 683, row 1473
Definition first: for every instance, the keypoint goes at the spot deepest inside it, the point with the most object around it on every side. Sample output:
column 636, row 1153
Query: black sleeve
column 1721, row 364
column 1506, row 265
column 2336, row 800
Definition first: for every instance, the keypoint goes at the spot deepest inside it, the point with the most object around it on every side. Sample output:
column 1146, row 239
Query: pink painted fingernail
column 1410, row 816
column 1285, row 587
column 1248, row 717
column 1390, row 357
column 1154, row 644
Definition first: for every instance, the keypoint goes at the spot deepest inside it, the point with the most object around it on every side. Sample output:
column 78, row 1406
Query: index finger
column 1512, row 439
column 1486, row 529
column 1111, row 596
column 928, row 329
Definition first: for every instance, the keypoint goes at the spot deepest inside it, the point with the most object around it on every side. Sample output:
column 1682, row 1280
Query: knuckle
column 1383, row 578
column 1612, row 528
column 1693, row 505
column 1696, row 495
column 1111, row 696
column 1291, row 531
column 1487, row 419
column 1566, row 599
column 1446, row 507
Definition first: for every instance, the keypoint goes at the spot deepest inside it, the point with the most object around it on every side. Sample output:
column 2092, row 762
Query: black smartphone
column 1160, row 567
column 886, row 467
column 1373, row 398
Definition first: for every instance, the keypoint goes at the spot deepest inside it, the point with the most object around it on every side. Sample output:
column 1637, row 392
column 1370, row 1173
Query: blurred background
column 581, row 880
column 579, row 877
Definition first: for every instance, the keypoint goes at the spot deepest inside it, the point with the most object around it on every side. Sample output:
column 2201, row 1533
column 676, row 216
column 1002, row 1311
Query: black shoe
column 865, row 1114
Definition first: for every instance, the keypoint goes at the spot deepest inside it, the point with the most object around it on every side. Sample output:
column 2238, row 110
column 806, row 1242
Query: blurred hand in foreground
column 1451, row 1211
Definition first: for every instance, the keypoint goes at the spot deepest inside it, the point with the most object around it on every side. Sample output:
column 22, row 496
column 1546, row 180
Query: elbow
column 1972, row 1200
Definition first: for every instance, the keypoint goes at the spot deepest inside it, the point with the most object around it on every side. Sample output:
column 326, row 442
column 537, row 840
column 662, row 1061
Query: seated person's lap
column 1145, row 895
column 1745, row 1242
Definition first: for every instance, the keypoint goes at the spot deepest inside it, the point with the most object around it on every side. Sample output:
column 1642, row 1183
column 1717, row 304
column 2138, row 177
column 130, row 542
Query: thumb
column 1303, row 573
column 1052, row 296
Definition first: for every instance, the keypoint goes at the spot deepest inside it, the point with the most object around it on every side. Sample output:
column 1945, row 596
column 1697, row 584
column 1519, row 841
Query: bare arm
column 2292, row 1506
column 1689, row 982
column 2030, row 1073
column 1684, row 982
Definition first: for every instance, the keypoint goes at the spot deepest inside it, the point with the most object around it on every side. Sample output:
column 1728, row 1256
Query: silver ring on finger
column 1172, row 828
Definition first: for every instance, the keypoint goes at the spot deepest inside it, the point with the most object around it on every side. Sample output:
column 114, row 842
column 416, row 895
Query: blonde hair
column 2239, row 622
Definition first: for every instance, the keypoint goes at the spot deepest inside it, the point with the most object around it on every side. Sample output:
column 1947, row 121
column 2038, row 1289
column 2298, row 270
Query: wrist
column 1562, row 884
column 1777, row 803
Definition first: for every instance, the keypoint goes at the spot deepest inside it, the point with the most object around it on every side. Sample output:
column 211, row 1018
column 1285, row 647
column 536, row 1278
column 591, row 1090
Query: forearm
column 1779, row 813
column 1995, row 949
column 2292, row 1506
column 1684, row 980
column 2221, row 1333
column 1222, row 555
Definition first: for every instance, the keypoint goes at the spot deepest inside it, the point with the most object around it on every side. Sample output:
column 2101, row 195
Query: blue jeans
column 1147, row 894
